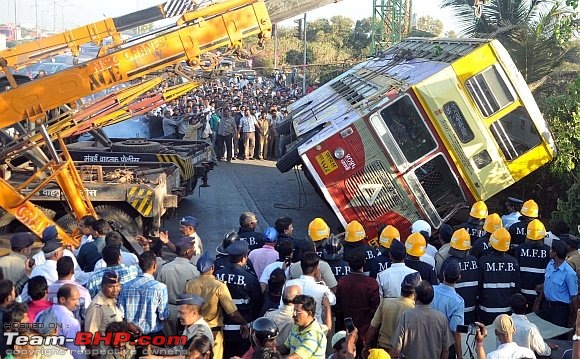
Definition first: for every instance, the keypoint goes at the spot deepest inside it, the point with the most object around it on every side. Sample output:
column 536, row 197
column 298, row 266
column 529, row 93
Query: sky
column 72, row 13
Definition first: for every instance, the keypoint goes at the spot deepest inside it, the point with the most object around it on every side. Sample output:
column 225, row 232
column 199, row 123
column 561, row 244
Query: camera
column 470, row 329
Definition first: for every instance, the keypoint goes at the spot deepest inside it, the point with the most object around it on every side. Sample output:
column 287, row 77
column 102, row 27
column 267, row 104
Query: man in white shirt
column 309, row 281
column 247, row 130
column 50, row 234
column 508, row 349
column 391, row 278
column 284, row 315
column 527, row 334
column 68, row 297
column 52, row 252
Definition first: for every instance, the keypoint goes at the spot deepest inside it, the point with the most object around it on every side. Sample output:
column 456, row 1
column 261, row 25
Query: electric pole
column 304, row 57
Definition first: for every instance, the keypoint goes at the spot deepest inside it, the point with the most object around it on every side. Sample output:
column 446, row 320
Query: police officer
column 560, row 289
column 415, row 247
column 190, row 318
column 533, row 256
column 519, row 229
column 218, row 301
column 319, row 232
column 512, row 211
column 333, row 255
column 499, row 278
column 467, row 285
column 246, row 294
column 103, row 308
column 247, row 231
column 383, row 260
column 474, row 224
column 481, row 245
column 354, row 237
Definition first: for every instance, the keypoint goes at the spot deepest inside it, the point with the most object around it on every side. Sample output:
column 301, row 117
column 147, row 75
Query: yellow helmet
column 478, row 210
column 415, row 245
column 461, row 240
column 378, row 354
column 500, row 240
column 492, row 223
column 354, row 232
column 318, row 230
column 530, row 209
column 536, row 230
column 387, row 236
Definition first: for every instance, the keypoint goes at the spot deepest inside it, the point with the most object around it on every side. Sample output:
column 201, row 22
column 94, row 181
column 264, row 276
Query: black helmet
column 332, row 249
column 230, row 237
column 264, row 329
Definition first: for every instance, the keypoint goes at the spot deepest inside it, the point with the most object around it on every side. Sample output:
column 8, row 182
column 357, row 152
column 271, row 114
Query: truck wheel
column 290, row 159
column 10, row 225
column 136, row 146
column 121, row 218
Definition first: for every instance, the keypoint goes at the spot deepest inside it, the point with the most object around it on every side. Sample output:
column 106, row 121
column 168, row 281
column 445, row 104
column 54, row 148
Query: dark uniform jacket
column 499, row 279
column 339, row 267
column 475, row 228
column 467, row 285
column 369, row 251
column 255, row 239
column 480, row 246
column 518, row 231
column 533, row 258
column 426, row 270
column 379, row 263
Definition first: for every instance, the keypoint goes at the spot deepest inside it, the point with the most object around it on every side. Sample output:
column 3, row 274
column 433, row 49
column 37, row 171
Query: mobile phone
column 470, row 329
column 349, row 324
column 31, row 262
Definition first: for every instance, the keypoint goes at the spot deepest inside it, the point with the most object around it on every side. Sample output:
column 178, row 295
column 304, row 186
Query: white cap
column 421, row 226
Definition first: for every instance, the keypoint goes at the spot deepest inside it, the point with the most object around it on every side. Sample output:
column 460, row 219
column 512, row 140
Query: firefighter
column 519, row 229
column 354, row 237
column 222, row 258
column 246, row 294
column 466, row 286
column 481, row 245
column 533, row 257
column 499, row 278
column 248, row 230
column 474, row 224
column 415, row 248
column 319, row 232
column 333, row 255
column 383, row 260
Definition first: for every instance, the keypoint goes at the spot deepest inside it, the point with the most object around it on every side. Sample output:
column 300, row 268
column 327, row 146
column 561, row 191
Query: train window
column 515, row 133
column 458, row 122
column 490, row 90
column 408, row 129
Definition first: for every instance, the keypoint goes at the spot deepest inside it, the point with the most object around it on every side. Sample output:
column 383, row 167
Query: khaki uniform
column 264, row 130
column 100, row 313
column 13, row 266
column 175, row 274
column 573, row 260
column 218, row 300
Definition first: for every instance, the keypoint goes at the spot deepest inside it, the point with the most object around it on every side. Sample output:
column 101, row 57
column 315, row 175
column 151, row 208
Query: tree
column 359, row 38
column 450, row 34
column 430, row 24
column 535, row 32
column 295, row 57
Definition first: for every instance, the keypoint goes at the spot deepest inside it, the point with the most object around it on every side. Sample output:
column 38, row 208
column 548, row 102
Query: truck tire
column 10, row 225
column 136, row 146
column 121, row 218
column 291, row 158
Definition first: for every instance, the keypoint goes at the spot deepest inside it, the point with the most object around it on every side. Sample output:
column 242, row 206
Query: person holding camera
column 504, row 329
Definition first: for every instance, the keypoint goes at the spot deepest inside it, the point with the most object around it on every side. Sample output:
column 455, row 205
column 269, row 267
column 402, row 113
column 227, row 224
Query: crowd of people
column 237, row 115
column 266, row 294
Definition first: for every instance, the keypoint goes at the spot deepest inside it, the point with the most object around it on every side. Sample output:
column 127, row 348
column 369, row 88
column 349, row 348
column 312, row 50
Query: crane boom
column 198, row 32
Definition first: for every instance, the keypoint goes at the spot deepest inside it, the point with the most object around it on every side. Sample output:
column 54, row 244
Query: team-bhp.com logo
column 109, row 339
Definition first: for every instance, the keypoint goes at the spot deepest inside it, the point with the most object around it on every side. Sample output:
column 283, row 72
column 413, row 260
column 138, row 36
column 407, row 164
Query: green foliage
column 535, row 32
column 568, row 210
column 295, row 57
column 563, row 115
column 430, row 24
